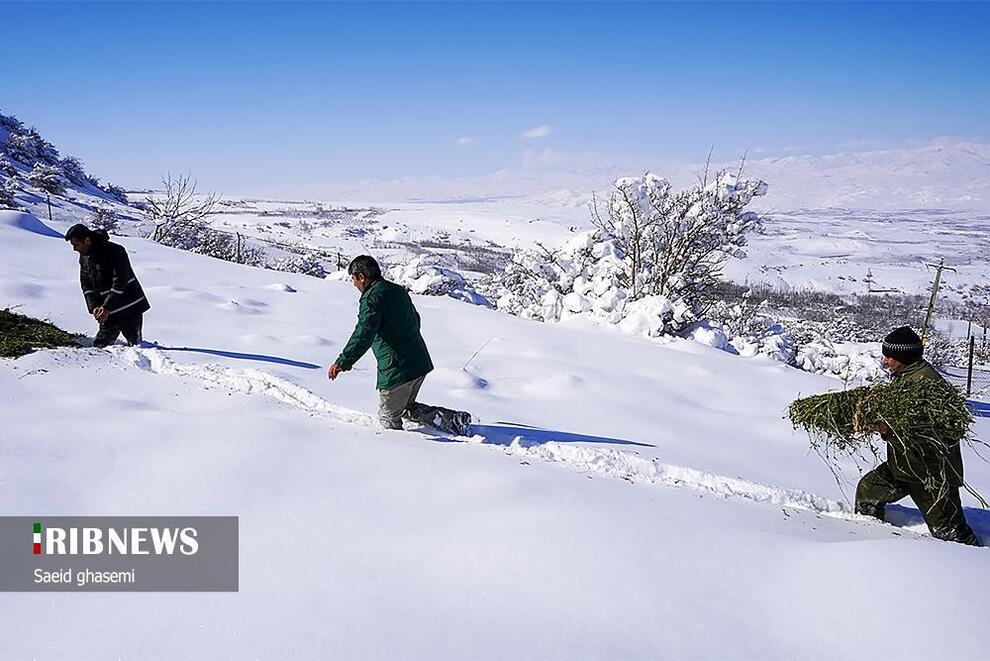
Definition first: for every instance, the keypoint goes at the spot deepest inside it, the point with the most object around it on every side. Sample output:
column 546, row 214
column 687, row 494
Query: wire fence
column 959, row 376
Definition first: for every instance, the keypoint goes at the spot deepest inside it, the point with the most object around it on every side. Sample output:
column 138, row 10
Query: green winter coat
column 389, row 324
column 916, row 460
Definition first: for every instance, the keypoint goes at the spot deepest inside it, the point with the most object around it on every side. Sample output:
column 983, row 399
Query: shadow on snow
column 287, row 362
column 504, row 433
column 903, row 517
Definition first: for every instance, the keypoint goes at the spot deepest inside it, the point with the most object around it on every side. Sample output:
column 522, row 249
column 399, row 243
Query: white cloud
column 466, row 140
column 541, row 131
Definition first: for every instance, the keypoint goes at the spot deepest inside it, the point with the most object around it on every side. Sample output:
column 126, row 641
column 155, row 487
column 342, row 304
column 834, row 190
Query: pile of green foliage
column 20, row 334
column 926, row 411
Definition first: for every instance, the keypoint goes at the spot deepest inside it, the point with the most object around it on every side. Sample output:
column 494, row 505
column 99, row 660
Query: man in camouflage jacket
column 930, row 473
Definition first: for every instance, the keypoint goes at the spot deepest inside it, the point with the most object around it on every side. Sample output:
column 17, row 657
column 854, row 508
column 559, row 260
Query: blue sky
column 257, row 96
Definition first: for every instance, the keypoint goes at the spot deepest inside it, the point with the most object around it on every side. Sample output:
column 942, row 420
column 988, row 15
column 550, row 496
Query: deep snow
column 622, row 498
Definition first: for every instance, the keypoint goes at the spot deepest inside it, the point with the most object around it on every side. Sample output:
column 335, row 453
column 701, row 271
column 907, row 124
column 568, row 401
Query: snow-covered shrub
column 942, row 349
column 585, row 278
column 675, row 244
column 753, row 330
column 308, row 264
column 47, row 178
column 103, row 217
column 651, row 266
column 424, row 275
column 711, row 334
column 856, row 363
column 200, row 238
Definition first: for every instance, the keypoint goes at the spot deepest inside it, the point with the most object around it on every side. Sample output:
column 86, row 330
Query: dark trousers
column 129, row 325
column 942, row 509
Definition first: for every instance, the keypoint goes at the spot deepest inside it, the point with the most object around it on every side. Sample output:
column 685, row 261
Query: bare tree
column 178, row 209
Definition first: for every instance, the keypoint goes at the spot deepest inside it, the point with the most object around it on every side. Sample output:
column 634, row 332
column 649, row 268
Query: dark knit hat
column 903, row 345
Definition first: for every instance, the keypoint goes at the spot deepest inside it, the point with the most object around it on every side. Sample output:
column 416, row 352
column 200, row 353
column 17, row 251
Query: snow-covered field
column 832, row 220
column 621, row 497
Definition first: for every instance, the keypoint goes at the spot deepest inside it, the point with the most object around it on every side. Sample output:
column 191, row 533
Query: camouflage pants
column 400, row 402
column 944, row 514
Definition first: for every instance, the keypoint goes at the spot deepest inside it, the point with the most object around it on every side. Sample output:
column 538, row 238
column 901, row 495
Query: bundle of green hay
column 20, row 334
column 918, row 410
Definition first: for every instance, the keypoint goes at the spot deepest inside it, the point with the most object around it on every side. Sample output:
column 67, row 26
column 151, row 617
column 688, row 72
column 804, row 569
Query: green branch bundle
column 846, row 421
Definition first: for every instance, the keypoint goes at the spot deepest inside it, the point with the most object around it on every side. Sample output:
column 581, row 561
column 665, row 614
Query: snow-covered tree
column 29, row 147
column 11, row 123
column 7, row 168
column 21, row 148
column 73, row 170
column 116, row 192
column 104, row 217
column 47, row 178
column 7, row 190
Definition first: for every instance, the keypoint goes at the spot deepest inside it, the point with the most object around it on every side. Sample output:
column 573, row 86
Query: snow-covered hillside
column 621, row 497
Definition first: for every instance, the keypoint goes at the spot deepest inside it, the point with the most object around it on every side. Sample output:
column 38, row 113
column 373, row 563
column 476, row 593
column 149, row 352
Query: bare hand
column 335, row 371
column 882, row 429
column 101, row 314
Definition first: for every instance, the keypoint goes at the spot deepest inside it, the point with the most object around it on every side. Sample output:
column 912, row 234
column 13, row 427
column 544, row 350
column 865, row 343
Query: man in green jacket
column 388, row 323
column 929, row 472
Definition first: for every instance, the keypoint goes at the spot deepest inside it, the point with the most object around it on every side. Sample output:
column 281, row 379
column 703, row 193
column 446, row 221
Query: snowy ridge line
column 246, row 381
column 602, row 461
column 626, row 465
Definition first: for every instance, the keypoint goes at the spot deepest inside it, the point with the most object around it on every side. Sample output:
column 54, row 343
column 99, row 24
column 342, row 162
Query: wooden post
column 49, row 196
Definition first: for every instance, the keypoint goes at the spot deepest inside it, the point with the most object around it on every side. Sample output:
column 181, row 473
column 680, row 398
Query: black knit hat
column 903, row 345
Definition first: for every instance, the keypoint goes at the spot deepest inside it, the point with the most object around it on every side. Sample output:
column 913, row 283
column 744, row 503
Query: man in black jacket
column 112, row 291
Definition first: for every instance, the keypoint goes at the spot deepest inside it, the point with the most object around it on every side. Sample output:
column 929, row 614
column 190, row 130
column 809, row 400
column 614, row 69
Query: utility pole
column 931, row 303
